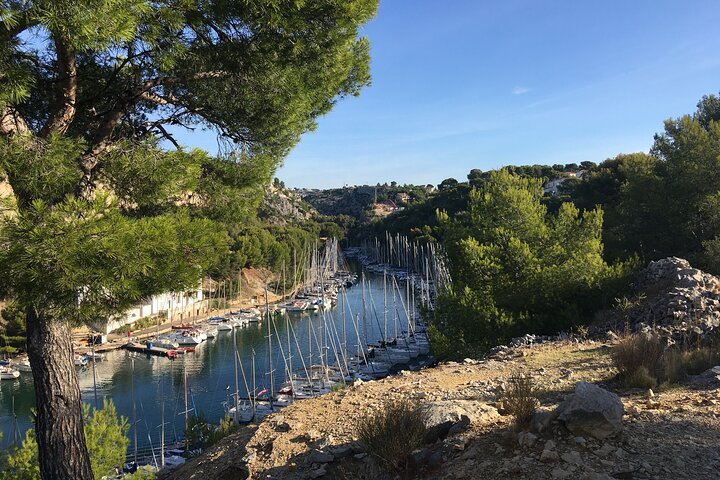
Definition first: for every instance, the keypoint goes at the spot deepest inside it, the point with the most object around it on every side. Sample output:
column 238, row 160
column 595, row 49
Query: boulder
column 318, row 456
column 453, row 411
column 591, row 411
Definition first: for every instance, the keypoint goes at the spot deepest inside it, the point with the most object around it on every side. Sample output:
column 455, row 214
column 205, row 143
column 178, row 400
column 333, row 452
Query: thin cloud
column 520, row 90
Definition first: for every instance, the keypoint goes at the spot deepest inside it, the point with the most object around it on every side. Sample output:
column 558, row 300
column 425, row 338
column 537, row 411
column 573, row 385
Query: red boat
column 182, row 326
column 172, row 354
column 187, row 349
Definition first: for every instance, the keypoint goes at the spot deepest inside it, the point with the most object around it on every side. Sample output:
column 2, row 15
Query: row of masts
column 422, row 262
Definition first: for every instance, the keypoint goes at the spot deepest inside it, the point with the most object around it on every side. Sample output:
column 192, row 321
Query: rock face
column 681, row 300
column 591, row 411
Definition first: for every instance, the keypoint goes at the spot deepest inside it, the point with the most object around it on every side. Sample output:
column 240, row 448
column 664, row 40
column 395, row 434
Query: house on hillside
column 552, row 187
column 402, row 197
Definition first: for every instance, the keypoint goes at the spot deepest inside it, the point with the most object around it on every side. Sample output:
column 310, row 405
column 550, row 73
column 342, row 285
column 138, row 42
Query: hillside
column 666, row 436
column 281, row 206
column 358, row 201
column 589, row 424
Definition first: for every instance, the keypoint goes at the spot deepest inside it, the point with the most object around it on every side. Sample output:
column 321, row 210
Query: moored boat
column 8, row 373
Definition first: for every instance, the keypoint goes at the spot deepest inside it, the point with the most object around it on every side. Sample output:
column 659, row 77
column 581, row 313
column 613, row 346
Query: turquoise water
column 210, row 370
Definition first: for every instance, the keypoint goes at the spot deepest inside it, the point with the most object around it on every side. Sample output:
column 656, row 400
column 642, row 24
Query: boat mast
column 92, row 350
column 187, row 445
column 134, row 410
column 385, row 329
column 237, row 388
column 162, row 425
column 270, row 365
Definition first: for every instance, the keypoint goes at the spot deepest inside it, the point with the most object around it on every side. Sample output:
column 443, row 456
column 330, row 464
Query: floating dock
column 143, row 348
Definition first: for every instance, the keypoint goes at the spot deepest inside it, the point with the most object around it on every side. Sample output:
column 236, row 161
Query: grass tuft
column 639, row 358
column 392, row 433
column 521, row 399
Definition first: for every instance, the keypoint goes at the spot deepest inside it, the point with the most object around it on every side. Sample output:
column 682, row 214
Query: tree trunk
column 59, row 429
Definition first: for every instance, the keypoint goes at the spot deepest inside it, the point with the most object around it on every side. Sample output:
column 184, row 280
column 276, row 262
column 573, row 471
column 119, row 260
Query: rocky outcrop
column 281, row 206
column 591, row 411
column 676, row 299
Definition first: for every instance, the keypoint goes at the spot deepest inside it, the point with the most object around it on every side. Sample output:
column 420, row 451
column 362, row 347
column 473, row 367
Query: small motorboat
column 8, row 373
column 95, row 357
column 80, row 360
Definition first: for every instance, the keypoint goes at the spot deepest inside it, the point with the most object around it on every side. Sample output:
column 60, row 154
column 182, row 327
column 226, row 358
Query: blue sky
column 468, row 84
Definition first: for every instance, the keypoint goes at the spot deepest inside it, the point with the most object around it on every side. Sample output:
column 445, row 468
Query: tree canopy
column 108, row 207
column 516, row 269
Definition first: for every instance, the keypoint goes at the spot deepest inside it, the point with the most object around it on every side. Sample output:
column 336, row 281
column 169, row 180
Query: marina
column 250, row 363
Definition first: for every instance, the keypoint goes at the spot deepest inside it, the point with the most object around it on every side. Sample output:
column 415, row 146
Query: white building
column 177, row 307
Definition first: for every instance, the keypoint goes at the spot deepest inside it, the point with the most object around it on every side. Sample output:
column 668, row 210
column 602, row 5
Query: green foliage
column 201, row 434
column 226, row 427
column 138, row 325
column 45, row 171
column 665, row 203
column 105, row 436
column 516, row 269
column 22, row 463
column 83, row 260
column 198, row 431
column 13, row 320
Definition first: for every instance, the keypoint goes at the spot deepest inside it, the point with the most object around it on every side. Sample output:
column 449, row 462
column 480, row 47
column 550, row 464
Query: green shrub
column 226, row 427
column 138, row 325
column 17, row 341
column 393, row 432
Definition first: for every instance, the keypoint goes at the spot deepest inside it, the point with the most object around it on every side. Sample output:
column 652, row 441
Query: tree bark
column 59, row 428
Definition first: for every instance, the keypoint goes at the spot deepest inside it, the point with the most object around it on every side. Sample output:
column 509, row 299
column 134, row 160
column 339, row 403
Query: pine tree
column 103, row 214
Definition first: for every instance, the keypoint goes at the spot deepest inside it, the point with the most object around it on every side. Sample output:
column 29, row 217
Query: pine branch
column 66, row 94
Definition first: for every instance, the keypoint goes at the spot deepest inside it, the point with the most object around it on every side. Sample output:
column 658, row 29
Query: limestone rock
column 591, row 411
column 453, row 411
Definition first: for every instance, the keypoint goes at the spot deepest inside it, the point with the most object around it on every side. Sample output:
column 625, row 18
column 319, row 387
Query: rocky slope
column 282, row 206
column 674, row 434
column 680, row 301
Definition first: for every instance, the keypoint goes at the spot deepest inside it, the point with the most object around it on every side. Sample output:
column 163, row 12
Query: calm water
column 210, row 370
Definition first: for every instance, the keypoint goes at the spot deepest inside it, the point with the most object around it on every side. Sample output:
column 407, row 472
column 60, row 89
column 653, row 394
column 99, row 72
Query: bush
column 681, row 363
column 16, row 341
column 226, row 427
column 138, row 325
column 521, row 399
column 392, row 433
column 643, row 360
column 639, row 358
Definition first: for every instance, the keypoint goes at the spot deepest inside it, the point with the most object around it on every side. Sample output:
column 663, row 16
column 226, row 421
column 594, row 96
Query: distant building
column 403, row 197
column 552, row 187
column 178, row 307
